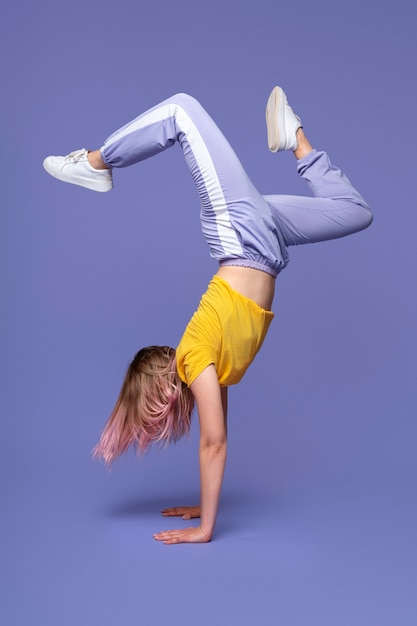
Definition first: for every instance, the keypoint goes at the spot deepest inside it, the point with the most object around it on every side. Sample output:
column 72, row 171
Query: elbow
column 213, row 447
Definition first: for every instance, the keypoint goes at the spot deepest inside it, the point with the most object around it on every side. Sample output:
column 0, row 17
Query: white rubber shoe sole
column 281, row 122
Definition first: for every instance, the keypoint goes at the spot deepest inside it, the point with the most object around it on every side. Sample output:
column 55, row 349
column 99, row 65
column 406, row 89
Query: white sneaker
column 281, row 122
column 76, row 169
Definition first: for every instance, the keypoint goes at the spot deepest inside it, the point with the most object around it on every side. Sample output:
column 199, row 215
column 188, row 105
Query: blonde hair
column 154, row 406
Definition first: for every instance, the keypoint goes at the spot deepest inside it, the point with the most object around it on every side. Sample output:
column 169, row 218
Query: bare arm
column 212, row 408
column 212, row 445
column 191, row 512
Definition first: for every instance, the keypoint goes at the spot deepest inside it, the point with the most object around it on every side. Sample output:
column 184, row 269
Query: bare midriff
column 253, row 284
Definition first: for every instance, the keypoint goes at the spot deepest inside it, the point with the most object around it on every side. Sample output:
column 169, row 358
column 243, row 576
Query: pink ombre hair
column 154, row 406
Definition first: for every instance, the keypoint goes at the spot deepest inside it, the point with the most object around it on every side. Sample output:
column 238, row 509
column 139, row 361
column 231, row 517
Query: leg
column 336, row 210
column 236, row 220
column 228, row 197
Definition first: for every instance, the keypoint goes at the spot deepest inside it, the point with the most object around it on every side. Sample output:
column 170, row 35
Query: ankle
column 95, row 160
column 304, row 146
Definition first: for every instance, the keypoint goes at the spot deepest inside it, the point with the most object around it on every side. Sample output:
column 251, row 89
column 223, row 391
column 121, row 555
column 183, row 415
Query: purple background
column 318, row 514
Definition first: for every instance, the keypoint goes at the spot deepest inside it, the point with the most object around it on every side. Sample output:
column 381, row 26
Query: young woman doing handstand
column 248, row 234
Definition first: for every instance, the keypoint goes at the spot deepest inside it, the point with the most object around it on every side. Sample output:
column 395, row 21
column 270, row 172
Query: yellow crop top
column 227, row 329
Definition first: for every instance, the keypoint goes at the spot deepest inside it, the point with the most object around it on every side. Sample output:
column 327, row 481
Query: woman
column 248, row 234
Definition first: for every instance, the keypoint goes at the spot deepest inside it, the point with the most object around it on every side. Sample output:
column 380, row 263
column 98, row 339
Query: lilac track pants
column 241, row 226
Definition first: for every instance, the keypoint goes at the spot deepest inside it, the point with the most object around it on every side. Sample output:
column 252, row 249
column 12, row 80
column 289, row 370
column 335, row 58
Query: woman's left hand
column 186, row 512
column 186, row 535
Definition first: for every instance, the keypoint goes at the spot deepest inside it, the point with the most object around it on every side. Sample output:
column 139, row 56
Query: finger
column 170, row 536
column 175, row 536
column 166, row 534
column 160, row 537
column 177, row 510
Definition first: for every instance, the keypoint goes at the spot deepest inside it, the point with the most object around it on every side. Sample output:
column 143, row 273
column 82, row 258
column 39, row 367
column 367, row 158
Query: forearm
column 212, row 464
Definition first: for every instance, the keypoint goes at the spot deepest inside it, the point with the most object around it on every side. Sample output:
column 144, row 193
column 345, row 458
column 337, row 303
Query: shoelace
column 76, row 155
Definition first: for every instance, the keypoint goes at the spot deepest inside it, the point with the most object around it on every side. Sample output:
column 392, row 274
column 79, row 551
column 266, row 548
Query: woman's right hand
column 186, row 512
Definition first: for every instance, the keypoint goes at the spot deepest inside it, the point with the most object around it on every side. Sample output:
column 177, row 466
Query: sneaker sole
column 275, row 118
column 95, row 185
